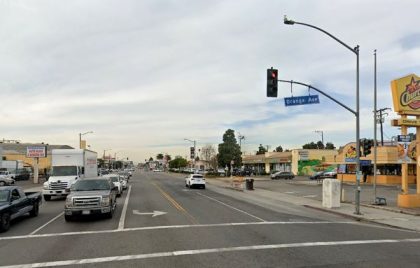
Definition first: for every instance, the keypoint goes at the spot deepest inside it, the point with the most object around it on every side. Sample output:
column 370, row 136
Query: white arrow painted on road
column 154, row 213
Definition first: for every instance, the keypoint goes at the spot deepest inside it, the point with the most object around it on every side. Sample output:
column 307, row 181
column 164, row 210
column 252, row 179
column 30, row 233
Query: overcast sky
column 144, row 75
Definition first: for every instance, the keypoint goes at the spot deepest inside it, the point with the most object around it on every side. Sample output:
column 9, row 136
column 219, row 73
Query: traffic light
column 272, row 83
column 367, row 145
column 192, row 152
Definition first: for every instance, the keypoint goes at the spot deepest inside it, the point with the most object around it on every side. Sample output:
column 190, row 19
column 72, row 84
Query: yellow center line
column 176, row 204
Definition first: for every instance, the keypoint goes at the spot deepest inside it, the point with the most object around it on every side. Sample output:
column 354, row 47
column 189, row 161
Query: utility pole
column 322, row 136
column 240, row 137
column 380, row 119
column 375, row 142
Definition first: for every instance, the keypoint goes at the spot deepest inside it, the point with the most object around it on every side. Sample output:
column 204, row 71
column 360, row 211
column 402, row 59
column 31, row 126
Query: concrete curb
column 396, row 210
column 357, row 218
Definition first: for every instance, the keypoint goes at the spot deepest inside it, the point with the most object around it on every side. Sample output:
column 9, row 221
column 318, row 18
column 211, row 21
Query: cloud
column 145, row 75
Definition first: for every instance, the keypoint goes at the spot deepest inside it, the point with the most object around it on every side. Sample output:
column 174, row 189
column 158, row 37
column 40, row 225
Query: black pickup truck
column 14, row 202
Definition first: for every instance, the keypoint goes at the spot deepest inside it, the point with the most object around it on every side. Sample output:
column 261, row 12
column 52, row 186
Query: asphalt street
column 161, row 223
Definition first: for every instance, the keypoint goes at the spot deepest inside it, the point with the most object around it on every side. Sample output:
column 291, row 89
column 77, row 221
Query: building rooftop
column 20, row 148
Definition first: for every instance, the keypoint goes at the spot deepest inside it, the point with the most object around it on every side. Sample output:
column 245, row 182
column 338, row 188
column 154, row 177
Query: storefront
column 299, row 161
column 389, row 164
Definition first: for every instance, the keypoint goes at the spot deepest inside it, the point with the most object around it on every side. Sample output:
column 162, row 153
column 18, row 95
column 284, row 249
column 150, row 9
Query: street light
column 322, row 136
column 80, row 138
column 355, row 50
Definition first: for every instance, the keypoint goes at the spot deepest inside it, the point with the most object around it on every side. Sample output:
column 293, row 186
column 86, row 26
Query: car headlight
column 45, row 185
column 105, row 200
column 69, row 201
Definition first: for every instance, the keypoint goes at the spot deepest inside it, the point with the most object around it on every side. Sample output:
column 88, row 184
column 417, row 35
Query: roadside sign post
column 36, row 152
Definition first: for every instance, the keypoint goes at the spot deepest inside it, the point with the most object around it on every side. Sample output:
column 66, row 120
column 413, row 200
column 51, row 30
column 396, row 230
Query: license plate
column 85, row 212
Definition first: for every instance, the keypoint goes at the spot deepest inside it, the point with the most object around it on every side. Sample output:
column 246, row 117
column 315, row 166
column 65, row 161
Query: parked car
column 287, row 175
column 221, row 172
column 14, row 202
column 329, row 174
column 195, row 180
column 6, row 180
column 316, row 175
column 91, row 196
column 22, row 175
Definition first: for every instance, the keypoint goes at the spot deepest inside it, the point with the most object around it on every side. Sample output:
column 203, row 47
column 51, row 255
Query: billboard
column 406, row 95
column 36, row 151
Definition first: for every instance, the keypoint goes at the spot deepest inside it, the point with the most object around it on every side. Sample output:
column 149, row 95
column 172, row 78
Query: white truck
column 67, row 166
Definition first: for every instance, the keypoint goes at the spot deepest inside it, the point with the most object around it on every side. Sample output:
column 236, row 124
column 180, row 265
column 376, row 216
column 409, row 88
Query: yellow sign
column 406, row 122
column 406, row 95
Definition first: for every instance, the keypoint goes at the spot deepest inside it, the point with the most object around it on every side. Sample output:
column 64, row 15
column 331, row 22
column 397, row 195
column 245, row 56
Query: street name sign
column 404, row 138
column 301, row 100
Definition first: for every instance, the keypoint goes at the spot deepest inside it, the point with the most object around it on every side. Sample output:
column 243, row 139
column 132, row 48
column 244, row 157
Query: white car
column 115, row 178
column 123, row 183
column 195, row 180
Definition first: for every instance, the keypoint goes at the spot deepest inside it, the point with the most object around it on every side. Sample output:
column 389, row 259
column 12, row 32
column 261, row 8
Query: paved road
column 201, row 228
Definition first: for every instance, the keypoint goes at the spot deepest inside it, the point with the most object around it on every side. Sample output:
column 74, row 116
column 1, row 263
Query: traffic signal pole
column 356, row 51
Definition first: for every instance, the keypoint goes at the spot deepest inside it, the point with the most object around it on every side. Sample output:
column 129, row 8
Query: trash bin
column 250, row 184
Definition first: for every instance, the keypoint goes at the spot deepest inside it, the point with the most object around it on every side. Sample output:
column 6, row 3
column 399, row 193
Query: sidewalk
column 387, row 216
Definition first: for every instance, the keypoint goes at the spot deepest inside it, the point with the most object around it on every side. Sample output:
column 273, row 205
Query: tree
column 208, row 152
column 329, row 146
column 151, row 159
column 229, row 150
column 159, row 156
column 178, row 162
column 213, row 162
column 311, row 145
column 261, row 150
column 168, row 157
column 279, row 149
column 320, row 145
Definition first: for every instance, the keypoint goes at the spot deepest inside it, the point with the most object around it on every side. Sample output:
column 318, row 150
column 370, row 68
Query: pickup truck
column 91, row 196
column 14, row 202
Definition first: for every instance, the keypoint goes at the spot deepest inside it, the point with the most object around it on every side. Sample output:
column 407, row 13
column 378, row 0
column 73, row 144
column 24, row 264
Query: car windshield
column 4, row 195
column 114, row 179
column 91, row 185
column 64, row 171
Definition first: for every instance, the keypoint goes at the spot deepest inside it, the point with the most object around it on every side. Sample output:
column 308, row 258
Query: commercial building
column 17, row 151
column 298, row 161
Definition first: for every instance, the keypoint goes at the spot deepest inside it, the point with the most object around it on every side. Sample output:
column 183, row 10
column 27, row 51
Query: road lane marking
column 209, row 251
column 176, row 204
column 163, row 227
column 124, row 211
column 53, row 219
column 237, row 209
column 310, row 196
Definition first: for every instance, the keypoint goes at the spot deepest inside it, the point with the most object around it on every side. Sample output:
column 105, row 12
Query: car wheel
column 2, row 183
column 204, row 187
column 35, row 210
column 4, row 222
column 47, row 197
column 68, row 218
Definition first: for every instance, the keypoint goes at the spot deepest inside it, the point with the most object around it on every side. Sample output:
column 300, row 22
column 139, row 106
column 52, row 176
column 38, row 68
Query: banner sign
column 301, row 100
column 36, row 151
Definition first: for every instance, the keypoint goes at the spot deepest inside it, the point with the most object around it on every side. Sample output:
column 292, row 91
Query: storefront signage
column 36, row 151
column 301, row 100
column 304, row 155
column 406, row 122
column 406, row 95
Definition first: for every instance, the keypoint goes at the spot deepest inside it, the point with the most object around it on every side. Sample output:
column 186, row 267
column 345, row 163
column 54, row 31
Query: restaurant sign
column 406, row 95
